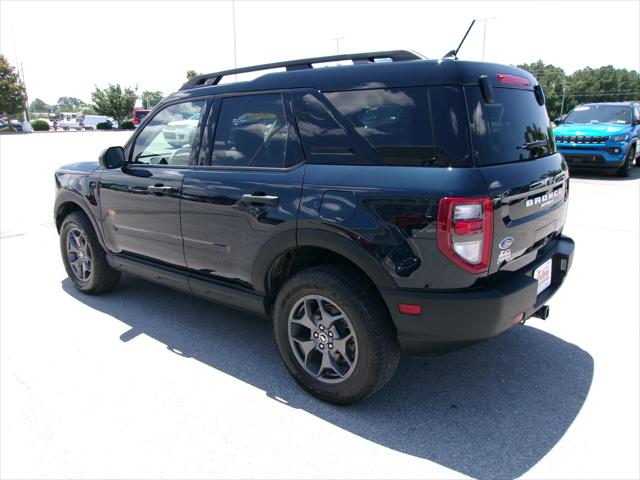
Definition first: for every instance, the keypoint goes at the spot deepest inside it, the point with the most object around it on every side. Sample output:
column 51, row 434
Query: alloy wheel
column 323, row 339
column 79, row 254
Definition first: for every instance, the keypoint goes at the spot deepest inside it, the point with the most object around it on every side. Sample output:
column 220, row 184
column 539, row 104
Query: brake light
column 464, row 231
column 513, row 79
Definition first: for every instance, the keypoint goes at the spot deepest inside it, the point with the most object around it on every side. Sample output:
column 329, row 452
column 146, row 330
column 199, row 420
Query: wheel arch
column 67, row 203
column 283, row 256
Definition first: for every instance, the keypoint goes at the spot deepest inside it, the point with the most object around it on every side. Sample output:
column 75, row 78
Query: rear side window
column 395, row 122
column 251, row 131
column 512, row 128
column 450, row 126
column 325, row 141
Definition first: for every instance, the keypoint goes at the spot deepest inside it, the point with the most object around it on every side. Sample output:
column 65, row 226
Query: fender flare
column 328, row 240
column 66, row 197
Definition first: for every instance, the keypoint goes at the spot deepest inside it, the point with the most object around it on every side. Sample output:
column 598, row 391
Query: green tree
column 39, row 106
column 553, row 80
column 191, row 74
column 603, row 84
column 12, row 92
column 114, row 101
column 151, row 99
column 70, row 104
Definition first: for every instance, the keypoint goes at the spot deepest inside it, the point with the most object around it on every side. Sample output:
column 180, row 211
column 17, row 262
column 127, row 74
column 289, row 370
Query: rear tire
column 84, row 259
column 334, row 334
column 625, row 169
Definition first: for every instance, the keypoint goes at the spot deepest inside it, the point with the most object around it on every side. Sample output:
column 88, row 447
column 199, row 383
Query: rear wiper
column 534, row 144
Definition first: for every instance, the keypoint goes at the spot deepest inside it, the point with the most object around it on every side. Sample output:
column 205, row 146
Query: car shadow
column 492, row 410
column 598, row 174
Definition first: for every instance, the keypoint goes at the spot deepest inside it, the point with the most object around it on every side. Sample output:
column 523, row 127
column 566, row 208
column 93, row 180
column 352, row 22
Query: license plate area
column 543, row 275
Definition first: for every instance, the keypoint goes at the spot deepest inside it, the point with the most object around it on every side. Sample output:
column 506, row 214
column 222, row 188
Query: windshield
column 617, row 114
column 512, row 128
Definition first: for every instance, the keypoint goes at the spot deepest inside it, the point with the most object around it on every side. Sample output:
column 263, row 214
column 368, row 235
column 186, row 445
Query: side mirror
column 112, row 157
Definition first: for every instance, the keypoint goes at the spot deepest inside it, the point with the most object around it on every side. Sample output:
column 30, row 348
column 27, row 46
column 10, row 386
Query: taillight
column 513, row 79
column 464, row 231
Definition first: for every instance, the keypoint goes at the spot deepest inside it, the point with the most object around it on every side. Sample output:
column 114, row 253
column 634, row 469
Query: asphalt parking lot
column 146, row 382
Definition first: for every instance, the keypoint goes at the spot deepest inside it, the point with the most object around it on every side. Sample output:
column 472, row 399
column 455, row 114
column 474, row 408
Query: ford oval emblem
column 505, row 243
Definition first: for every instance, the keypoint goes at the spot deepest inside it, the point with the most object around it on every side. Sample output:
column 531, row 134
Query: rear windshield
column 512, row 128
column 617, row 114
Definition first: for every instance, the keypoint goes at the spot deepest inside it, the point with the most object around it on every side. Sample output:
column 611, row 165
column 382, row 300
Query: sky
column 66, row 48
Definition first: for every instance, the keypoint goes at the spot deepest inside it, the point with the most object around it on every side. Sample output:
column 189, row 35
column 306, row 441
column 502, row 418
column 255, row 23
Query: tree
column 70, row 104
column 191, row 74
column 12, row 93
column 151, row 99
column 39, row 106
column 603, row 84
column 553, row 80
column 114, row 101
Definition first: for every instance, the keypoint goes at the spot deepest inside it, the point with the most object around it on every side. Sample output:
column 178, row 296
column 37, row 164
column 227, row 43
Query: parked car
column 601, row 135
column 138, row 116
column 69, row 121
column 407, row 204
column 90, row 122
column 179, row 133
column 17, row 126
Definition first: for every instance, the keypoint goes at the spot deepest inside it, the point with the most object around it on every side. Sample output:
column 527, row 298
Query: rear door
column 245, row 191
column 527, row 179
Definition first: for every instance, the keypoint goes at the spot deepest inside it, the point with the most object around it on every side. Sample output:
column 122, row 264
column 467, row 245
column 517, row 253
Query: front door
column 247, row 189
column 140, row 203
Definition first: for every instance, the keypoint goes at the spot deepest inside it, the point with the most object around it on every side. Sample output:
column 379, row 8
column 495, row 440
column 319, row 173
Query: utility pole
column 564, row 86
column 235, row 53
column 484, row 35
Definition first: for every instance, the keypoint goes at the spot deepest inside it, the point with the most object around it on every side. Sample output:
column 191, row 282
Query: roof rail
column 305, row 63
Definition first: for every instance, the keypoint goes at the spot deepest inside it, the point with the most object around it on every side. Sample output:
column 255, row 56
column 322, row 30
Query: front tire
column 84, row 259
column 625, row 169
column 334, row 334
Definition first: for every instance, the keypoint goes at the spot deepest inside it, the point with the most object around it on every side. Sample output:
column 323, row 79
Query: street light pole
column 235, row 53
column 337, row 39
column 484, row 35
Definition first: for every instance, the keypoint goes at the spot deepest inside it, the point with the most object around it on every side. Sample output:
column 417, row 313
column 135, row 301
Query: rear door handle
column 159, row 189
column 264, row 199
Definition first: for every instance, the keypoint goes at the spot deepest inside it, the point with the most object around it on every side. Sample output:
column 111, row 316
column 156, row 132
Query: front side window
column 251, row 131
column 168, row 138
column 395, row 122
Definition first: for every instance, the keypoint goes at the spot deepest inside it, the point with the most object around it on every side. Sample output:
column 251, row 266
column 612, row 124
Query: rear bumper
column 453, row 319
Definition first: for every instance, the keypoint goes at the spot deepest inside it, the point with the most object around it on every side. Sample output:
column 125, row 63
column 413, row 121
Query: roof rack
column 305, row 63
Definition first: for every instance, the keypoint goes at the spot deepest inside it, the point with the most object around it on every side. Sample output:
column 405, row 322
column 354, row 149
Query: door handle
column 264, row 199
column 159, row 189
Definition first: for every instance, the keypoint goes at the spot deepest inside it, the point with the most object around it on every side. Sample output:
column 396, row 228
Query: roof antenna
column 454, row 53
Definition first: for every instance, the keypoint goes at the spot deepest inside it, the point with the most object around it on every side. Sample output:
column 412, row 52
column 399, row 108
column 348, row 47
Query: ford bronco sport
column 394, row 204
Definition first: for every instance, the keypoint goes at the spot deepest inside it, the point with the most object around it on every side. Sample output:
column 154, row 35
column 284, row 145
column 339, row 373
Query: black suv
column 394, row 204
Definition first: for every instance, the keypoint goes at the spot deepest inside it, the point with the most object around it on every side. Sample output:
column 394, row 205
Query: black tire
column 377, row 347
column 101, row 277
column 625, row 169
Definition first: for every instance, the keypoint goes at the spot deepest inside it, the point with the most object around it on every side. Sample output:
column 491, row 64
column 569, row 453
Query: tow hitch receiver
column 542, row 312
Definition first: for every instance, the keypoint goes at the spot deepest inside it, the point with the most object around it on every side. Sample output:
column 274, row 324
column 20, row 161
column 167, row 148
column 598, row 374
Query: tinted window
column 512, row 128
column 450, row 126
column 251, row 131
column 324, row 139
column 168, row 138
column 618, row 114
column 395, row 122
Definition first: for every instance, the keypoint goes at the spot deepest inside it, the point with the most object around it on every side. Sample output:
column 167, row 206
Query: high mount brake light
column 464, row 232
column 513, row 79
